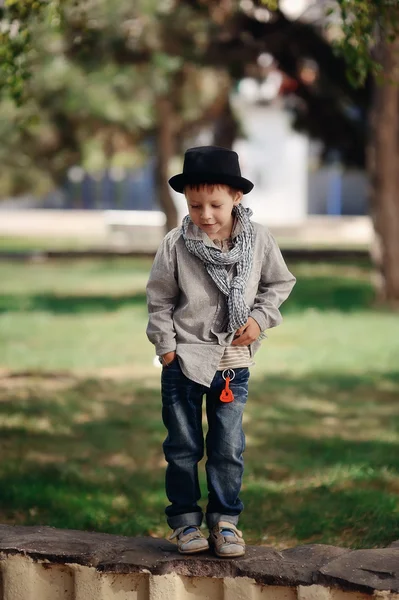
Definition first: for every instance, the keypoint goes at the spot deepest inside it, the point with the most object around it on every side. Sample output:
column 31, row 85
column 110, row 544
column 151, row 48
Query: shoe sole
column 231, row 555
column 195, row 551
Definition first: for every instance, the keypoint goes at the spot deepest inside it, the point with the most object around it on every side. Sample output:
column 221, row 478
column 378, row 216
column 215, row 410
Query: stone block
column 45, row 563
column 25, row 579
column 175, row 587
column 244, row 588
column 319, row 592
column 363, row 570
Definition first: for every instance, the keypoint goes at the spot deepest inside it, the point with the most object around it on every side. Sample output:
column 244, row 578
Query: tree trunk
column 383, row 163
column 165, row 148
column 226, row 126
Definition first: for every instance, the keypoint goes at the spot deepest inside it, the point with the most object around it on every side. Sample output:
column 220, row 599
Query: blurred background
column 99, row 100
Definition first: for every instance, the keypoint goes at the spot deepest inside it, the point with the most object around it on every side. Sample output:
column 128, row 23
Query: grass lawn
column 80, row 421
column 20, row 243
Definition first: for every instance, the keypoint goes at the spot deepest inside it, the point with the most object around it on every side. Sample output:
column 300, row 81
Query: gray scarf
column 216, row 261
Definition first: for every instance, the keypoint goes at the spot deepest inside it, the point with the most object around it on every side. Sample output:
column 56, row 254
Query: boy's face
column 210, row 208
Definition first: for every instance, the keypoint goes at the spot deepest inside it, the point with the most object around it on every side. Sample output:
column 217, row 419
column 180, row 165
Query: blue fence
column 136, row 190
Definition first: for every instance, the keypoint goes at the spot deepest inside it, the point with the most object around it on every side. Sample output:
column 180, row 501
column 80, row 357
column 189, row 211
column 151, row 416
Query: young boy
column 215, row 287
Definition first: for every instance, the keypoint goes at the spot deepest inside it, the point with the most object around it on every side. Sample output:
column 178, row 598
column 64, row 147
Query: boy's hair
column 209, row 187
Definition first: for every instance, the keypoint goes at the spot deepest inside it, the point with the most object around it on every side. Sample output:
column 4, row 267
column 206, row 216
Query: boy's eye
column 197, row 205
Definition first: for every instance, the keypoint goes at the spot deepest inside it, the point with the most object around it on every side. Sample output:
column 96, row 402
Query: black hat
column 211, row 164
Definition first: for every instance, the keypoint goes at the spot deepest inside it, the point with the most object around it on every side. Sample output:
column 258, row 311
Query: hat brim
column 178, row 182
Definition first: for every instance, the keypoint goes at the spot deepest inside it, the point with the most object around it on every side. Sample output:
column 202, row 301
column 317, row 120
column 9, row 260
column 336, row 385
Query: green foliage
column 16, row 20
column 80, row 82
column 363, row 24
column 271, row 4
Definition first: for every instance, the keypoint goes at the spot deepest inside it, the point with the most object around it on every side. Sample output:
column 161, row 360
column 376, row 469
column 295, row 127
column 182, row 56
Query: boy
column 215, row 287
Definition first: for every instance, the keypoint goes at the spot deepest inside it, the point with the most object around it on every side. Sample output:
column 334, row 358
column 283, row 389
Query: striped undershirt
column 234, row 357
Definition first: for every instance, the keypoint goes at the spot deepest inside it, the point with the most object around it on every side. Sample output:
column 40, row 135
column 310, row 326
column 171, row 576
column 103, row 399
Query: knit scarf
column 216, row 262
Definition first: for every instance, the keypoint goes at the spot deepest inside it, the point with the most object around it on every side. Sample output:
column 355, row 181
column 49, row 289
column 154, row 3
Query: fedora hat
column 211, row 164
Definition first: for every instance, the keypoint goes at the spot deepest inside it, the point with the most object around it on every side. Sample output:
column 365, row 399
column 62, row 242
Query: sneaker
column 189, row 539
column 227, row 540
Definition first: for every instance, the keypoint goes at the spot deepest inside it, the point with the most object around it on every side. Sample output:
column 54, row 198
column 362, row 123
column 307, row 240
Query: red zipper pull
column 227, row 395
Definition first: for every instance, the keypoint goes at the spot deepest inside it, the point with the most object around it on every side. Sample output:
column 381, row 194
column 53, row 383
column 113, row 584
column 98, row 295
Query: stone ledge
column 305, row 567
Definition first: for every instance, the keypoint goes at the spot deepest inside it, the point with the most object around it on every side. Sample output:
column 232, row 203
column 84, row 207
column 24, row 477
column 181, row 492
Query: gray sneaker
column 190, row 543
column 227, row 540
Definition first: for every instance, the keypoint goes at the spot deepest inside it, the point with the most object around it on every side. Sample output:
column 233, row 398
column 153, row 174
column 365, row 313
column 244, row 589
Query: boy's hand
column 247, row 333
column 168, row 358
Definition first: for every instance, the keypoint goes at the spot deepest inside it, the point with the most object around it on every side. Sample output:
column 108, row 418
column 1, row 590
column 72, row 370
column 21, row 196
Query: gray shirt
column 187, row 311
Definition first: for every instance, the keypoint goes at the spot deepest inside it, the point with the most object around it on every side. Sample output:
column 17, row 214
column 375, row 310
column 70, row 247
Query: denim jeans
column 184, row 446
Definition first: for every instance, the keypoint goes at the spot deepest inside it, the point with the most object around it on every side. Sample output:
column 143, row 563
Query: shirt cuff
column 165, row 347
column 260, row 318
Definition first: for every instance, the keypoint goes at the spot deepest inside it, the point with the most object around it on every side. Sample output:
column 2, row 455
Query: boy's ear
column 238, row 197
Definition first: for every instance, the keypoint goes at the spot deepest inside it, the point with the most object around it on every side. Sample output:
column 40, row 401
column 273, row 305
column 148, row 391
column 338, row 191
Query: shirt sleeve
column 162, row 296
column 275, row 285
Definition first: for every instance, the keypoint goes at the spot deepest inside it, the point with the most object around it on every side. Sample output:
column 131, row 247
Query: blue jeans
column 184, row 446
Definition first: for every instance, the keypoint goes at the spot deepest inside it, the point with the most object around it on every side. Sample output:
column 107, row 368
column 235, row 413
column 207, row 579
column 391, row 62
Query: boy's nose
column 206, row 215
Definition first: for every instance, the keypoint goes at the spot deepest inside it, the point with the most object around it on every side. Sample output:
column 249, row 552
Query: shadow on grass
column 321, row 293
column 68, row 497
column 362, row 516
column 322, row 458
column 329, row 293
column 69, row 304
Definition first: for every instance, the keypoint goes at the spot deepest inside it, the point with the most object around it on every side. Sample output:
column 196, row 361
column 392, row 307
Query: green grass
column 80, row 423
column 18, row 243
column 34, row 243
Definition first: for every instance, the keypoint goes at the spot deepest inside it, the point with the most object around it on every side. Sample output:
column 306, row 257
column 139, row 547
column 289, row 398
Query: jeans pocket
column 241, row 375
column 171, row 363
